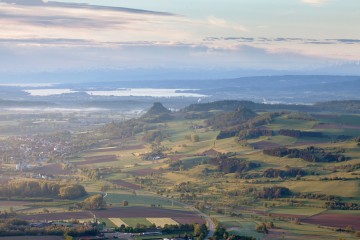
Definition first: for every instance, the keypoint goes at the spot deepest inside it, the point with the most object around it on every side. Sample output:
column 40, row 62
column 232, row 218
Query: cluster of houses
column 30, row 151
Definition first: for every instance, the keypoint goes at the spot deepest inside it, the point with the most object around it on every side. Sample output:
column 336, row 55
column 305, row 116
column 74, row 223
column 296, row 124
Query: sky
column 282, row 35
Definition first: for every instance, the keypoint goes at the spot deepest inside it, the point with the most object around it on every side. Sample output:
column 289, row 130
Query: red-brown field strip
column 265, row 145
column 125, row 184
column 98, row 159
column 335, row 220
column 53, row 169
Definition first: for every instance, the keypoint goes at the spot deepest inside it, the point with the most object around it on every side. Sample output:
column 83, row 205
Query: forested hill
column 352, row 106
column 230, row 119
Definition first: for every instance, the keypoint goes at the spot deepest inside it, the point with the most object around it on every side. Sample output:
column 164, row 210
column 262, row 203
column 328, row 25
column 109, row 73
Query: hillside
column 157, row 109
column 296, row 173
column 352, row 106
column 231, row 119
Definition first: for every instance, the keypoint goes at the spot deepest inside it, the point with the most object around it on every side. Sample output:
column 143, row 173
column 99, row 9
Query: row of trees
column 310, row 154
column 231, row 119
column 342, row 205
column 227, row 164
column 299, row 134
column 254, row 133
column 274, row 192
column 289, row 172
column 42, row 189
column 17, row 227
column 252, row 123
column 95, row 202
column 192, row 137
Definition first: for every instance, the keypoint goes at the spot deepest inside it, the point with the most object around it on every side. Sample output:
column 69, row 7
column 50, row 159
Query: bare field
column 98, row 159
column 125, row 184
column 53, row 169
column 265, row 145
column 335, row 220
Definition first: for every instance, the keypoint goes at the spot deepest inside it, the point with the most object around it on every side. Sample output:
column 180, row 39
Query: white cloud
column 222, row 23
column 47, row 36
column 315, row 2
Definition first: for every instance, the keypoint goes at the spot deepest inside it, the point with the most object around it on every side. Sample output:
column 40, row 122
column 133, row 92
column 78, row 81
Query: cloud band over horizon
column 49, row 35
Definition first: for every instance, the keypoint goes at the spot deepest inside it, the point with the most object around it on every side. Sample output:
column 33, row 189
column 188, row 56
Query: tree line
column 227, row 164
column 289, row 172
column 300, row 134
column 42, row 189
column 309, row 154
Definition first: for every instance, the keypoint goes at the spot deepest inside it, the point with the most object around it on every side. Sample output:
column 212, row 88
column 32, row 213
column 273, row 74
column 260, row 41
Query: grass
column 178, row 177
column 161, row 222
column 138, row 200
column 134, row 222
column 241, row 227
column 341, row 119
column 284, row 123
column 308, row 231
column 108, row 222
column 351, row 212
column 338, row 188
column 192, row 161
column 118, row 222
column 282, row 140
column 297, row 211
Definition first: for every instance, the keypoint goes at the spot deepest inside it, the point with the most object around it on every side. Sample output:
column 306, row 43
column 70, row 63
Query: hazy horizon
column 198, row 39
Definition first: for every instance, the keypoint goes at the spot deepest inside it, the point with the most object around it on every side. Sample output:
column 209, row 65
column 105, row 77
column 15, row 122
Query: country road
column 209, row 221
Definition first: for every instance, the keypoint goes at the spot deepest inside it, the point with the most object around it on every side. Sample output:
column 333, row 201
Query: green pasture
column 297, row 211
column 133, row 222
column 340, row 119
column 138, row 200
column 240, row 226
column 284, row 123
column 338, row 188
column 107, row 222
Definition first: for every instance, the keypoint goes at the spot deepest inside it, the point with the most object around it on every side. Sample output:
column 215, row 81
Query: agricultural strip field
column 161, row 222
column 134, row 222
column 144, row 172
column 335, row 220
column 118, row 222
column 121, row 148
column 98, row 159
column 189, row 220
column 13, row 203
column 143, row 212
column 52, row 169
column 265, row 145
column 141, row 200
column 125, row 184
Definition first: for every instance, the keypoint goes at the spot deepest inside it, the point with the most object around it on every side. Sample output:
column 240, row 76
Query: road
column 210, row 223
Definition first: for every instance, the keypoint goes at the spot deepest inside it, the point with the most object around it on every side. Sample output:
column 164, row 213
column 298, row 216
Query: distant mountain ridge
column 350, row 106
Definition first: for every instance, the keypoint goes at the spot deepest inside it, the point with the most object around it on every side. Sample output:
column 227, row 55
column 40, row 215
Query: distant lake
column 126, row 92
column 48, row 92
column 146, row 92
